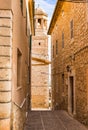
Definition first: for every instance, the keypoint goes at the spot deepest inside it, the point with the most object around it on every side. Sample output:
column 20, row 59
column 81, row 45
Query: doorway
column 72, row 93
column 71, row 96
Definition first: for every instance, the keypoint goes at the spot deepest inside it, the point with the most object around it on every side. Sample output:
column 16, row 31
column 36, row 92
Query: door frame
column 72, row 113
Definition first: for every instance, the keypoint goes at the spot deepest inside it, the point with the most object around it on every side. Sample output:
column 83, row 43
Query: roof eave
column 56, row 12
column 31, row 7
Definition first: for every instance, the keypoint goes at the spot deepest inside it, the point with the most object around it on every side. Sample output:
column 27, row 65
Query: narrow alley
column 51, row 120
column 43, row 64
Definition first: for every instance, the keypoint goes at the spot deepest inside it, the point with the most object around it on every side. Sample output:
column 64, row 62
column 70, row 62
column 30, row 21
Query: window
column 71, row 28
column 53, row 51
column 39, row 43
column 45, row 24
column 39, row 21
column 19, row 68
column 56, row 47
column 57, row 83
column 87, row 9
column 62, row 40
column 28, row 75
column 21, row 5
column 62, row 82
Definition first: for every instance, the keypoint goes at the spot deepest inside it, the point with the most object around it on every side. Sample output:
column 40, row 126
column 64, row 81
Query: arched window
column 39, row 22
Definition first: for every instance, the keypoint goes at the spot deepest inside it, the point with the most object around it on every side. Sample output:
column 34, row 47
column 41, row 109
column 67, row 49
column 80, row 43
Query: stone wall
column 70, row 65
column 5, row 68
column 40, row 73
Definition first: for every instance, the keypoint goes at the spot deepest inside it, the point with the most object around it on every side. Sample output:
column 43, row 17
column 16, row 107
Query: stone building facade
column 40, row 57
column 69, row 37
column 15, row 32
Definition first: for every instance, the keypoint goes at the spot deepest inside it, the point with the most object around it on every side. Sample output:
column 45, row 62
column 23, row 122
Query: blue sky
column 47, row 5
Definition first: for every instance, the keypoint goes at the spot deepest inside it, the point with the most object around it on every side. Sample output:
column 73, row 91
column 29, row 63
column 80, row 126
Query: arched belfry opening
column 41, row 19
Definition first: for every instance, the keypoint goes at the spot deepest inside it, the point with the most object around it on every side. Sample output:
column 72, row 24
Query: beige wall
column 20, row 41
column 13, row 39
column 7, row 4
column 73, row 54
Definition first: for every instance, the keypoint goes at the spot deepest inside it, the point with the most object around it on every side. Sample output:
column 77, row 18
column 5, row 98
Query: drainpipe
column 30, row 47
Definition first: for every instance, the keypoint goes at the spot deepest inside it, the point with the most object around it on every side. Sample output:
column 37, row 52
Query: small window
column 53, row 51
column 71, row 28
column 87, row 9
column 56, row 47
column 57, row 83
column 45, row 24
column 39, row 43
column 39, row 21
column 62, row 82
column 62, row 40
column 19, row 68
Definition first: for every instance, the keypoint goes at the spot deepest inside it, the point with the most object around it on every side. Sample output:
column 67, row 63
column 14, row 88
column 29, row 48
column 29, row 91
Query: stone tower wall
column 40, row 71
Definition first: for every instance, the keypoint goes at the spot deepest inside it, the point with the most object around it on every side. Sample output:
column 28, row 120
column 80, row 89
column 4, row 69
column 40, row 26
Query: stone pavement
column 51, row 120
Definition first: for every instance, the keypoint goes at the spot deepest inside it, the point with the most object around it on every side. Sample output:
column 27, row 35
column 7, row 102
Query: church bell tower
column 40, row 65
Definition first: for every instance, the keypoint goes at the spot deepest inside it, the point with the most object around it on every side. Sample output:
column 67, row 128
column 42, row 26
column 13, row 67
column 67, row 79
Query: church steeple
column 40, row 21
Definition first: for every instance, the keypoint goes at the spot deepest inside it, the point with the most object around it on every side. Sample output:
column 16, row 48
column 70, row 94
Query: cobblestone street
column 51, row 120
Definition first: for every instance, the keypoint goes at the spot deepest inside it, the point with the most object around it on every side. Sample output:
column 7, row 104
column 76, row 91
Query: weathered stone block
column 5, row 31
column 5, row 41
column 5, row 96
column 5, row 124
column 5, row 23
column 5, row 62
column 5, row 14
column 5, row 74
column 5, row 110
column 5, row 51
column 5, row 85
